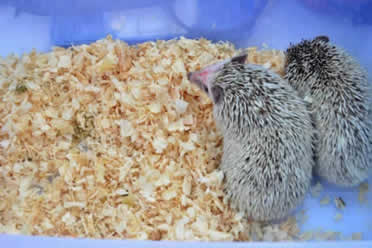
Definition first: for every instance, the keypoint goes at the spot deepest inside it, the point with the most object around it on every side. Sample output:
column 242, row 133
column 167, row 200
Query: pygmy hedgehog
column 267, row 149
column 338, row 95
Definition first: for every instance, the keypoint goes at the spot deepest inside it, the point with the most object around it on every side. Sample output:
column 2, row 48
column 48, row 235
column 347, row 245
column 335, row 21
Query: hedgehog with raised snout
column 267, row 149
column 338, row 95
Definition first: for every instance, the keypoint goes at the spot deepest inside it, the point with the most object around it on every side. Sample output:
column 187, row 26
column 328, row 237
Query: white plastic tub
column 42, row 24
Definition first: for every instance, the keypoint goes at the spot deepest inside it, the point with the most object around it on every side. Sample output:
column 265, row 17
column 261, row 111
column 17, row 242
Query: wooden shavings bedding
column 111, row 141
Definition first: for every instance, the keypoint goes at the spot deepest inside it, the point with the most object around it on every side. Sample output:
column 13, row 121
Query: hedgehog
column 337, row 93
column 267, row 138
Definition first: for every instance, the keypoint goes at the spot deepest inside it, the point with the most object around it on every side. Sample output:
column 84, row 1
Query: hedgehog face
column 229, row 85
column 307, row 56
column 206, row 77
column 215, row 80
column 245, row 96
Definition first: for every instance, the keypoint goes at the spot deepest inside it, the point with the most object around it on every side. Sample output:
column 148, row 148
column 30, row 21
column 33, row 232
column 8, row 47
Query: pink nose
column 199, row 77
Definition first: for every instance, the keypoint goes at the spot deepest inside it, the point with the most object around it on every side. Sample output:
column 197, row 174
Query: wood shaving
column 319, row 235
column 339, row 202
column 363, row 190
column 329, row 235
column 316, row 190
column 356, row 236
column 306, row 236
column 345, row 237
column 302, row 217
column 325, row 200
column 338, row 217
column 111, row 141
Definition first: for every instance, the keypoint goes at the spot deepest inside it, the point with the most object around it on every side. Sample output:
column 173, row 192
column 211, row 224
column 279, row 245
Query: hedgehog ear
column 240, row 59
column 217, row 94
column 322, row 38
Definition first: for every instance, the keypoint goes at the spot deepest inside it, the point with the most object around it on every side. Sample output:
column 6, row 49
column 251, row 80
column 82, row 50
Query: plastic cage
column 41, row 24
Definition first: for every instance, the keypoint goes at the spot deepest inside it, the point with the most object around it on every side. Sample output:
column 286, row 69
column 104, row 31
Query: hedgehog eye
column 240, row 59
column 217, row 94
column 205, row 88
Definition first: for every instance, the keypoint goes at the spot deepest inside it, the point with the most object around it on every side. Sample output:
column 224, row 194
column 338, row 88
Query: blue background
column 45, row 23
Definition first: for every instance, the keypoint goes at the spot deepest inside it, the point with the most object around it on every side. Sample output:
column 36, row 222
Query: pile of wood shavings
column 111, row 141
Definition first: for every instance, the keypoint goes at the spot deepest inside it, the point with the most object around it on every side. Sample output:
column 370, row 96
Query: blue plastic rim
column 242, row 22
column 83, row 21
column 75, row 7
column 215, row 20
column 360, row 11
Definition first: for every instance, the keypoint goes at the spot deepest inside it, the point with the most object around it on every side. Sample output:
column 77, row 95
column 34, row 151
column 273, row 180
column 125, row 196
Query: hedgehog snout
column 195, row 79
